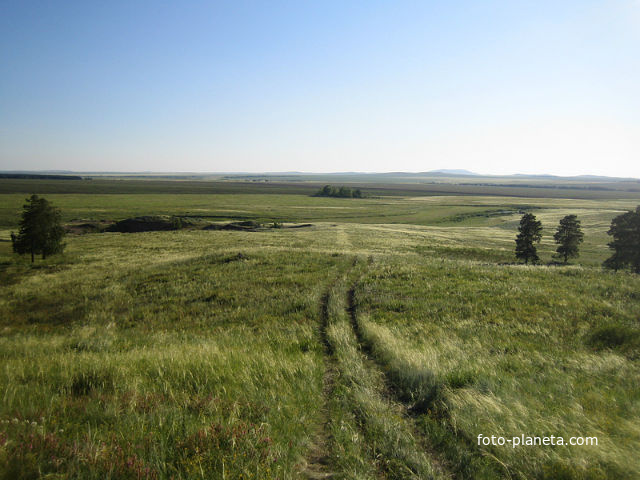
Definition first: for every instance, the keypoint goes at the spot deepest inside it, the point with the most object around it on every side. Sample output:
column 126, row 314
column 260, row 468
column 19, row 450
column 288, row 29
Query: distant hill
column 453, row 171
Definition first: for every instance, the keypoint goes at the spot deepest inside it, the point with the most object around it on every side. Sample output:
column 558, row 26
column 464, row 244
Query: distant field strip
column 441, row 187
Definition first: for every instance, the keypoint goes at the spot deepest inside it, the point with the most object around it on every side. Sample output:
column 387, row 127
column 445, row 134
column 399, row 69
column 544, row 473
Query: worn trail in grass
column 440, row 464
column 418, row 399
column 370, row 434
column 317, row 462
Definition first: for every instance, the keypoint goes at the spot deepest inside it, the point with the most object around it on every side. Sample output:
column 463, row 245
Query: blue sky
column 493, row 87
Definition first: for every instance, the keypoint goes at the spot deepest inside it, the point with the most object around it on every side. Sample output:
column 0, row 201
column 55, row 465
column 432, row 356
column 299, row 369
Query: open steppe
column 377, row 343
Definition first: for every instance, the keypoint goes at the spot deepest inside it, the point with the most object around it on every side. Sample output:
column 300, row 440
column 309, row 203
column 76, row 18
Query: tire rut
column 439, row 463
column 317, row 464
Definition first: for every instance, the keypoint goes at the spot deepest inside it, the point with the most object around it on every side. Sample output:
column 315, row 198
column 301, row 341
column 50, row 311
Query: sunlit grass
column 134, row 359
column 507, row 351
column 198, row 354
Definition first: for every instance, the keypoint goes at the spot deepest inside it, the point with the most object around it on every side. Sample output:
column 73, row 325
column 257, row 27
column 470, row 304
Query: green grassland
column 133, row 356
column 377, row 343
column 512, row 350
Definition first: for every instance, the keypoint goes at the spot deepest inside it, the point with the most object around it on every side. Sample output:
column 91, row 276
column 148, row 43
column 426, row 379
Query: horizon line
column 440, row 172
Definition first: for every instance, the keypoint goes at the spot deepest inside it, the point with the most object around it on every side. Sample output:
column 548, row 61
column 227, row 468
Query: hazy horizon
column 372, row 87
column 446, row 171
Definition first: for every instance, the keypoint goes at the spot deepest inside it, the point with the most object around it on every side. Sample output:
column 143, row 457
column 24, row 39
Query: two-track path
column 318, row 462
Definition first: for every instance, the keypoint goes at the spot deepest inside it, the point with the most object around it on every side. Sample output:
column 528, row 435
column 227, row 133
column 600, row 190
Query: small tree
column 325, row 191
column 344, row 192
column 40, row 229
column 625, row 230
column 530, row 232
column 569, row 236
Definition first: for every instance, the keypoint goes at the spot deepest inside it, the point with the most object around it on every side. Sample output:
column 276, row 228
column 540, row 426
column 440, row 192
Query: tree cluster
column 40, row 230
column 568, row 237
column 339, row 192
column 625, row 230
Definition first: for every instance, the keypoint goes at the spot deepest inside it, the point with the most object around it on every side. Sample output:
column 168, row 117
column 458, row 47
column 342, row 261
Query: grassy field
column 511, row 350
column 133, row 356
column 378, row 343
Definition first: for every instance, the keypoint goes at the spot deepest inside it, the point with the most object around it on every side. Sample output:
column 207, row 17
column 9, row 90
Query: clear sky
column 490, row 86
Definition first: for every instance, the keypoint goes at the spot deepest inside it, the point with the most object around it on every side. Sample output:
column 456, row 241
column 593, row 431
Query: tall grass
column 514, row 350
column 185, row 364
column 169, row 355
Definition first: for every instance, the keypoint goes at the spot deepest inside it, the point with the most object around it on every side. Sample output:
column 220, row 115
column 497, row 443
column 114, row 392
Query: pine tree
column 625, row 230
column 569, row 236
column 40, row 229
column 530, row 232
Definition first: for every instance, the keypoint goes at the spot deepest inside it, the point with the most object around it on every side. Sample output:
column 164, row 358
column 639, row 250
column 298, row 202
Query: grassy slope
column 514, row 350
column 166, row 355
column 168, row 352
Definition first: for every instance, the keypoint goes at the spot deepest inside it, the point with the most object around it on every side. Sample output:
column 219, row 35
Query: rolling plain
column 376, row 340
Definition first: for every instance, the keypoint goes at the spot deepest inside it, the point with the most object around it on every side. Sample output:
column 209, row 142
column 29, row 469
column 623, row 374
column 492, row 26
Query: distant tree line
column 625, row 230
column 339, row 192
column 38, row 176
